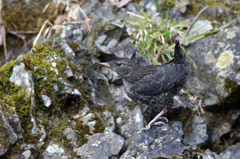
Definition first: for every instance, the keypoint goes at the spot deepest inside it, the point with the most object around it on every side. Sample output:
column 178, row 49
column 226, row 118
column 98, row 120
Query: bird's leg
column 153, row 122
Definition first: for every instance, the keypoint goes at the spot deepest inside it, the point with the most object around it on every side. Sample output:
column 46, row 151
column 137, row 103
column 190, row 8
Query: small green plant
column 154, row 37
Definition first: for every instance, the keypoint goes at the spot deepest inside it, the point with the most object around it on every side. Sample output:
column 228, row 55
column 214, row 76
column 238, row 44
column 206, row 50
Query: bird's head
column 123, row 66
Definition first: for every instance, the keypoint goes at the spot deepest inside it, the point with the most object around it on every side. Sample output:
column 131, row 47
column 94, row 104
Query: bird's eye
column 119, row 64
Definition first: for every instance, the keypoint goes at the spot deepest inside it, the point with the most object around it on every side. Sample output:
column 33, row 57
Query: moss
column 229, row 85
column 39, row 62
column 73, row 46
column 237, row 69
column 99, row 127
column 12, row 97
column 196, row 6
column 24, row 18
column 131, row 105
column 27, row 64
column 233, row 89
column 169, row 3
column 3, row 140
column 81, row 131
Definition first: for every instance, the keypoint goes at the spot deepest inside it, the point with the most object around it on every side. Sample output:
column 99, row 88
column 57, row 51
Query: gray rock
column 234, row 115
column 43, row 135
column 220, row 130
column 68, row 70
column 28, row 147
column 101, row 145
column 130, row 122
column 111, row 75
column 235, row 136
column 46, row 100
column 131, row 7
column 69, row 53
column 215, row 76
column 15, row 123
column 199, row 27
column 164, row 141
column 22, row 78
column 150, row 6
column 118, row 92
column 231, row 153
column 208, row 155
column 54, row 149
column 69, row 89
column 71, row 135
column 199, row 135
column 47, row 155
column 73, row 33
column 8, row 137
column 26, row 154
column 103, row 11
column 181, row 5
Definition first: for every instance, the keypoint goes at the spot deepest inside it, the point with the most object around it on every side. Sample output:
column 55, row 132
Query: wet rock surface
column 57, row 102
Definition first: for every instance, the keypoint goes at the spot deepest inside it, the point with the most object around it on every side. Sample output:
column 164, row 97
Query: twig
column 3, row 31
column 136, row 15
column 156, row 57
column 195, row 19
column 25, row 32
column 41, row 30
column 21, row 37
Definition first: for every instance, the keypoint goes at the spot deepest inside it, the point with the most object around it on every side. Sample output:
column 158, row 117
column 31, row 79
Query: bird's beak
column 105, row 64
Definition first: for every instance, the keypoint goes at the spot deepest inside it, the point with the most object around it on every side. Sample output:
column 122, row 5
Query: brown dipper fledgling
column 153, row 85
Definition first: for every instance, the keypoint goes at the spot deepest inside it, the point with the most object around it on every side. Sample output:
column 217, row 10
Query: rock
column 28, row 147
column 22, row 78
column 131, row 7
column 69, row 89
column 68, row 70
column 164, row 141
column 208, row 155
column 26, row 154
column 10, row 129
column 111, row 75
column 75, row 99
column 199, row 27
column 181, row 5
column 150, row 6
column 15, row 123
column 129, row 122
column 231, row 153
column 215, row 77
column 71, row 135
column 43, row 135
column 199, row 135
column 118, row 92
column 220, row 130
column 8, row 136
column 101, row 145
column 46, row 100
column 235, row 136
column 47, row 155
column 54, row 148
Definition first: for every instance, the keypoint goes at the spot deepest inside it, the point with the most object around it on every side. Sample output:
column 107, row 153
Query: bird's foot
column 153, row 122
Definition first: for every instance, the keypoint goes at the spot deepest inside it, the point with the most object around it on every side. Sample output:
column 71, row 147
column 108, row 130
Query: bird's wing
column 161, row 81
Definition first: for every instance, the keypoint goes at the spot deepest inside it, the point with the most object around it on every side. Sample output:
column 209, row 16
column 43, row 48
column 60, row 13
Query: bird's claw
column 153, row 122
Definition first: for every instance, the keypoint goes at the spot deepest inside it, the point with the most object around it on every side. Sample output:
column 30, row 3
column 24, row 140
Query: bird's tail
column 179, row 53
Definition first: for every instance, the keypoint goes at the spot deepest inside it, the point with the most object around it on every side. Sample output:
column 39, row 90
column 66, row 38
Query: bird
column 153, row 85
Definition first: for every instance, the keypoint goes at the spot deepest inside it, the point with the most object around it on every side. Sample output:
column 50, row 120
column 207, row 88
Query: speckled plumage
column 154, row 85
